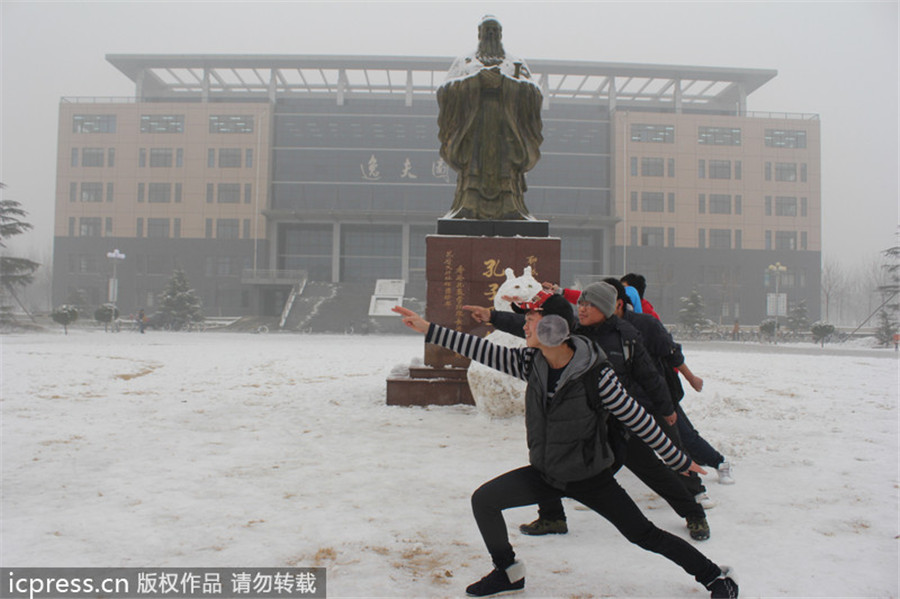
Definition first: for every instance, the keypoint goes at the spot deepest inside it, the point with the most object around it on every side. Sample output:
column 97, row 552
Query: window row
column 91, row 191
column 786, row 171
column 219, row 228
column 229, row 157
column 163, row 193
column 162, row 123
column 91, row 157
column 652, row 166
column 719, row 169
column 786, row 206
column 717, row 136
column 786, row 240
column 717, row 239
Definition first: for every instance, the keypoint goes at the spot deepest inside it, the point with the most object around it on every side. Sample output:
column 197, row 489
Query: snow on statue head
column 520, row 289
column 499, row 395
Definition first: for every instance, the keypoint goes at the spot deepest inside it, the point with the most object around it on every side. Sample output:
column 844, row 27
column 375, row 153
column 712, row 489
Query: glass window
column 671, row 234
column 768, row 171
column 653, row 133
column 109, row 226
column 162, row 123
column 634, row 236
column 785, row 206
column 93, row 157
column 157, row 227
column 109, row 192
column 229, row 193
column 139, row 229
column 720, row 169
column 652, row 167
column 802, row 206
column 738, row 168
column 719, row 136
column 701, row 169
column 652, row 236
column 785, row 138
column 671, row 167
column 768, row 205
column 209, row 228
column 227, row 228
column 701, row 204
column 229, row 158
column 803, row 172
column 719, row 204
column 737, row 239
column 94, row 123
column 176, row 229
column 671, row 202
column 652, row 201
column 73, row 192
column 803, row 239
column 211, row 158
column 210, row 192
column 246, row 228
column 634, row 166
column 142, row 157
column 738, row 204
column 370, row 252
column 74, row 160
column 140, row 192
column 634, row 201
column 248, row 193
column 768, row 240
column 720, row 239
column 178, row 193
column 231, row 123
column 111, row 153
column 785, row 240
column 158, row 193
column 701, row 239
column 785, row 171
column 89, row 227
column 92, row 192
column 248, row 158
column 161, row 157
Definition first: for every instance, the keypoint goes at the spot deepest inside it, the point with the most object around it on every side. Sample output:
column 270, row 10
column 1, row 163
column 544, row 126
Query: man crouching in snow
column 568, row 449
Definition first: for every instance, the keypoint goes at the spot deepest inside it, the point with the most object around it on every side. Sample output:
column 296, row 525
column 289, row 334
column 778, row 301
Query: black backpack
column 610, row 428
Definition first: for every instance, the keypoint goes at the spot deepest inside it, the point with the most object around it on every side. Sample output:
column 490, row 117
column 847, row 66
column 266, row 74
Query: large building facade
column 253, row 173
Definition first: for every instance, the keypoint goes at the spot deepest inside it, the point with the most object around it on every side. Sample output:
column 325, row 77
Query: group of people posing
column 603, row 391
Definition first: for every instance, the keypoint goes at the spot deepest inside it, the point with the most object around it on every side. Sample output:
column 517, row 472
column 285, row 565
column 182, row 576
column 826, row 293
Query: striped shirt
column 519, row 362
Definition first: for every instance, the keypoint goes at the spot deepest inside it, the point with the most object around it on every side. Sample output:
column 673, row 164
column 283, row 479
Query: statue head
column 490, row 49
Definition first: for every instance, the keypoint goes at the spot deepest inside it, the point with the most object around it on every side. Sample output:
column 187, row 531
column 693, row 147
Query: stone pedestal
column 463, row 270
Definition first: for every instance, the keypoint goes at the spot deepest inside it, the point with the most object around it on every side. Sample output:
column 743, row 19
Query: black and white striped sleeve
column 639, row 421
column 512, row 361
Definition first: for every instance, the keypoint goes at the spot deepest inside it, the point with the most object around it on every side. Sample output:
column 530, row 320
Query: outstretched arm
column 630, row 413
column 512, row 361
column 695, row 381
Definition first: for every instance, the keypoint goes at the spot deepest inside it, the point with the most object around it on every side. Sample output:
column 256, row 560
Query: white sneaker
column 725, row 476
column 704, row 500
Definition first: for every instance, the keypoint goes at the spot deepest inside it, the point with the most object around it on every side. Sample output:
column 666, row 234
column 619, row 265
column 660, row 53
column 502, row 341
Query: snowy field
column 243, row 450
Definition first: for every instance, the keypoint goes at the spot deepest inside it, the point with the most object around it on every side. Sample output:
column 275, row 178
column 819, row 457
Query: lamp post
column 115, row 256
column 777, row 269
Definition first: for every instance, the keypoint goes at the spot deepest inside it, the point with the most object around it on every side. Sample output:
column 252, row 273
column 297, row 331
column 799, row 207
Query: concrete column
column 678, row 96
column 336, row 253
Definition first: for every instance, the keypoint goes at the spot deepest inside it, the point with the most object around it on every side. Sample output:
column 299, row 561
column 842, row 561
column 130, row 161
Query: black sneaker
column 698, row 527
column 498, row 582
column 723, row 587
column 544, row 527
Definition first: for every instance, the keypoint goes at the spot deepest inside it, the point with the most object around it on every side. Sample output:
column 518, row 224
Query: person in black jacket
column 636, row 371
column 568, row 450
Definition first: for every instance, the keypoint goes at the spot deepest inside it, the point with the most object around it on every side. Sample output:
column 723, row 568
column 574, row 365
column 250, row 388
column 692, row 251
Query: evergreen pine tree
column 65, row 315
column 890, row 292
column 821, row 330
column 15, row 273
column 179, row 303
column 798, row 317
column 692, row 314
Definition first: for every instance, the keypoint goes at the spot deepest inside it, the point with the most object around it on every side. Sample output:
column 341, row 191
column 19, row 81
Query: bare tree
column 834, row 280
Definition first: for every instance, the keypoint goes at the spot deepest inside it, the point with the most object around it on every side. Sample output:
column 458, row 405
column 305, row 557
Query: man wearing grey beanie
column 638, row 374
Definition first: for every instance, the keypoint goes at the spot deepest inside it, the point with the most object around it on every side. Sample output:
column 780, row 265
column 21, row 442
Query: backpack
column 609, row 428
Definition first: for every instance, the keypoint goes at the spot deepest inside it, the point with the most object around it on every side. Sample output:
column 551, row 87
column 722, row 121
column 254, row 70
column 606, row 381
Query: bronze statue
column 490, row 129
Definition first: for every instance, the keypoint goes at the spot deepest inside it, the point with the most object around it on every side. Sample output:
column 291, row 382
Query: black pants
column 526, row 486
column 668, row 484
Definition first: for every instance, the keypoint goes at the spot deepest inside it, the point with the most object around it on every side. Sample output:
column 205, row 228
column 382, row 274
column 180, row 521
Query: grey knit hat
column 602, row 296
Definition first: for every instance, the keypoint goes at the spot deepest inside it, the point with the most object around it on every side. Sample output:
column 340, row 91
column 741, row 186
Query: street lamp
column 115, row 256
column 777, row 269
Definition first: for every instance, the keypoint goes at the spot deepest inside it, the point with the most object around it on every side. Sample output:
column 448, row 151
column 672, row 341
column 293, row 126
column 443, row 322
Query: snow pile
column 240, row 450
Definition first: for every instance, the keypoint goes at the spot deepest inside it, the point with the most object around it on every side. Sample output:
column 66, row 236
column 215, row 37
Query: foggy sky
column 836, row 59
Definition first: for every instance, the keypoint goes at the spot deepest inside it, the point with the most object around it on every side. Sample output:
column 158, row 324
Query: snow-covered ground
column 243, row 450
